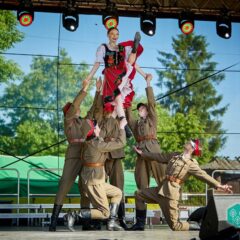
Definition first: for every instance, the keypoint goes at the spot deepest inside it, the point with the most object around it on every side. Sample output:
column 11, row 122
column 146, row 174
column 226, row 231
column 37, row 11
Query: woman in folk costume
column 120, row 68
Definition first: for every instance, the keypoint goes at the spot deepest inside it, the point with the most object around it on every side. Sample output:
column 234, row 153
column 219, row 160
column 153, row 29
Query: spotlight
column 25, row 17
column 109, row 21
column 186, row 22
column 148, row 24
column 224, row 28
column 70, row 21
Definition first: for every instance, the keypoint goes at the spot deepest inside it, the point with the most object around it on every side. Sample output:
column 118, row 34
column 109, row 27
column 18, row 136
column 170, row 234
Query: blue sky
column 42, row 38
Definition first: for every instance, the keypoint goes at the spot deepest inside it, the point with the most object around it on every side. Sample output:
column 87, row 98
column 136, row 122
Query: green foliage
column 202, row 99
column 9, row 35
column 30, row 137
column 40, row 89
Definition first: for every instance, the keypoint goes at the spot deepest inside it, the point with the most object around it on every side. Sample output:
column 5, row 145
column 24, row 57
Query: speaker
column 220, row 218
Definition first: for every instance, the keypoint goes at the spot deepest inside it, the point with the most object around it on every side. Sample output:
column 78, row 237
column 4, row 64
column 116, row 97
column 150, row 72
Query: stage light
column 109, row 21
column 224, row 28
column 186, row 25
column 148, row 24
column 25, row 17
column 70, row 21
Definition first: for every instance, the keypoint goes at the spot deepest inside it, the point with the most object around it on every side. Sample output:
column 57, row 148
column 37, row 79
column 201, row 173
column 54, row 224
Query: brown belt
column 93, row 164
column 76, row 140
column 174, row 179
column 147, row 137
column 108, row 139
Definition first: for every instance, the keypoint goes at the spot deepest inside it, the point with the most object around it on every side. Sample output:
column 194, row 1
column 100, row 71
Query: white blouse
column 101, row 51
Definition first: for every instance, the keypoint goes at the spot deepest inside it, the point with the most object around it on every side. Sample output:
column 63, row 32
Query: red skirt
column 118, row 79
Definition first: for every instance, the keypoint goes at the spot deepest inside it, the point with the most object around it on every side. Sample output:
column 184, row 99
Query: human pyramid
column 96, row 148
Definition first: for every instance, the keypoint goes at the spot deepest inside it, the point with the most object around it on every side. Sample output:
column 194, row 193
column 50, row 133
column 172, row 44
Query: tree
column 44, row 89
column 202, row 99
column 9, row 35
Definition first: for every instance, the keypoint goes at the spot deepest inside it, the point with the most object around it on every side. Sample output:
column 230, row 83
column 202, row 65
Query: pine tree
column 192, row 61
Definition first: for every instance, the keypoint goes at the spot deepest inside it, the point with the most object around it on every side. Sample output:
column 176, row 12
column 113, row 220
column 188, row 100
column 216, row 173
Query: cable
column 32, row 154
column 193, row 83
column 57, row 93
column 27, row 54
column 154, row 68
column 199, row 133
column 35, row 108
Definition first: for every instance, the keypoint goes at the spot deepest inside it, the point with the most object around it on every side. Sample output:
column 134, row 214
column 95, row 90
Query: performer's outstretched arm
column 92, row 111
column 151, row 101
column 92, row 72
column 159, row 157
column 139, row 70
column 81, row 95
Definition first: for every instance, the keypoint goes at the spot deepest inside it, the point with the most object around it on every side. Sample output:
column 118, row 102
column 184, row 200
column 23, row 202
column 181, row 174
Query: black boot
column 121, row 216
column 136, row 42
column 69, row 219
column 194, row 226
column 112, row 225
column 127, row 129
column 54, row 217
column 141, row 219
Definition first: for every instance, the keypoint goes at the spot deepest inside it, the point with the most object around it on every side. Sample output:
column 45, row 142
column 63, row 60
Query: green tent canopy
column 43, row 182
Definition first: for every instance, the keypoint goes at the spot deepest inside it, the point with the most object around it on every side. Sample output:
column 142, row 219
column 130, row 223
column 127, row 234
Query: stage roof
column 203, row 10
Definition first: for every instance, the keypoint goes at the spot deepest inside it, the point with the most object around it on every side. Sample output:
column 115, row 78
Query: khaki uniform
column 168, row 193
column 145, row 133
column 73, row 163
column 110, row 131
column 93, row 174
column 113, row 164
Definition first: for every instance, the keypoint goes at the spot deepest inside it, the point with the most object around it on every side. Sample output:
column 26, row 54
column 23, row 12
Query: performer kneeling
column 167, row 195
column 93, row 176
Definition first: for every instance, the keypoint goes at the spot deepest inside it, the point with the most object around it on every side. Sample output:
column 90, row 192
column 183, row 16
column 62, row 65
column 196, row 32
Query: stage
column 34, row 233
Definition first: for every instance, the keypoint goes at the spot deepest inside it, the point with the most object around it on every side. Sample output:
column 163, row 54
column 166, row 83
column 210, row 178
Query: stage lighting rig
column 70, row 21
column 25, row 13
column 224, row 27
column 70, row 18
column 110, row 16
column 148, row 23
column 186, row 23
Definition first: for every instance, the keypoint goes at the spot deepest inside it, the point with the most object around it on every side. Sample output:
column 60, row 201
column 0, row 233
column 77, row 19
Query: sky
column 42, row 38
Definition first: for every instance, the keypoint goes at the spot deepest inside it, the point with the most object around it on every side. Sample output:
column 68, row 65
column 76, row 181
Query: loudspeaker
column 218, row 220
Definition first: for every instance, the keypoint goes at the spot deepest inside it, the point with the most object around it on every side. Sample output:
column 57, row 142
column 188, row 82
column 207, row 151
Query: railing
column 29, row 194
column 17, row 194
column 18, row 184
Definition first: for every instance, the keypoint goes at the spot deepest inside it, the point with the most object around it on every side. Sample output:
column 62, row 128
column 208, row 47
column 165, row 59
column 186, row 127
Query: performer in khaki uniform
column 73, row 131
column 145, row 132
column 109, row 126
column 93, row 176
column 167, row 195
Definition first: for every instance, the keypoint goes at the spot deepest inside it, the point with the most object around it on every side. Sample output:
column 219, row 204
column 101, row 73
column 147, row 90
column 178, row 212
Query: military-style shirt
column 145, row 127
column 73, row 124
column 181, row 168
column 94, row 151
column 109, row 129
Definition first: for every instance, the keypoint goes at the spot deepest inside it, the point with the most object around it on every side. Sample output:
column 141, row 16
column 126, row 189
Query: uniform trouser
column 114, row 170
column 144, row 169
column 98, row 196
column 84, row 201
column 71, row 170
column 169, row 207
